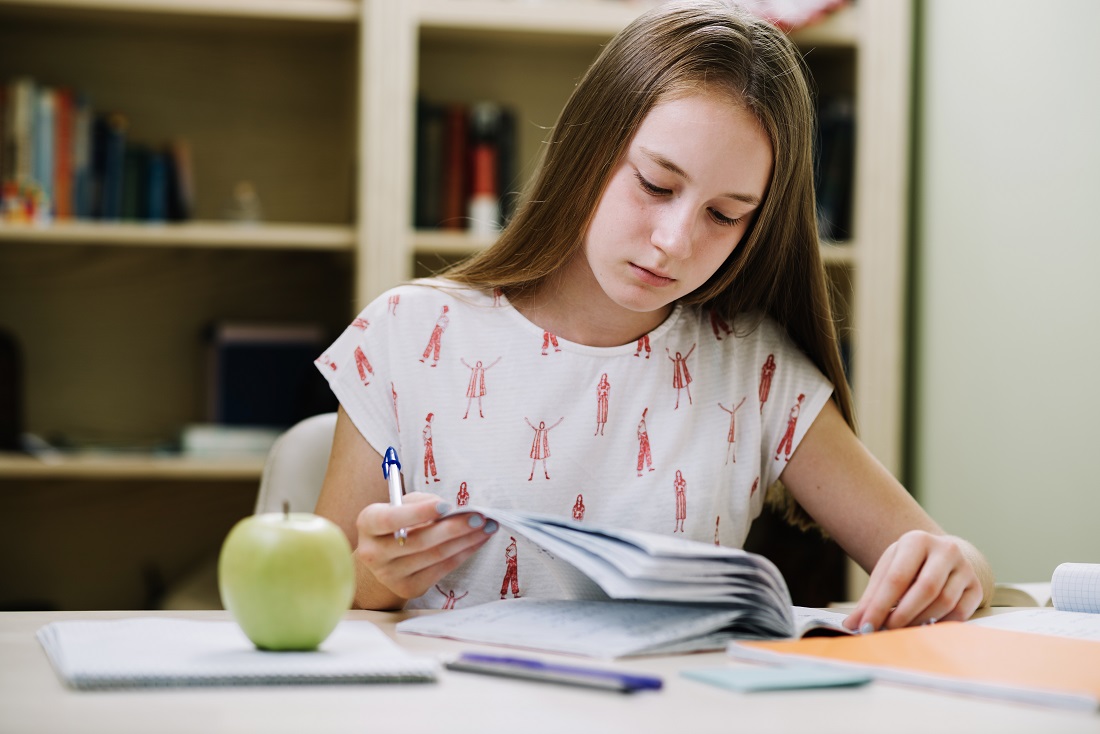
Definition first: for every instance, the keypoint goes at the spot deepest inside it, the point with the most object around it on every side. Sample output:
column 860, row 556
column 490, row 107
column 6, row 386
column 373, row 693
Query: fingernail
column 443, row 508
column 475, row 521
column 491, row 527
column 866, row 628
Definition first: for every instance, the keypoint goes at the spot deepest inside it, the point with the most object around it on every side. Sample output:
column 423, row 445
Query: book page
column 1075, row 587
column 1078, row 625
column 590, row 628
column 1033, row 594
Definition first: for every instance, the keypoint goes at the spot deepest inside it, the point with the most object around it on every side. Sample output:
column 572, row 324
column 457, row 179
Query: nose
column 673, row 230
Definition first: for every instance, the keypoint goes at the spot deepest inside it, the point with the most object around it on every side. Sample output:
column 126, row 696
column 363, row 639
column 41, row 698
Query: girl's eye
column 650, row 188
column 723, row 219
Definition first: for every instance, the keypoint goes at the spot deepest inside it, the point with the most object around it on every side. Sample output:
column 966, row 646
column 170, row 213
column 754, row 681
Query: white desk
column 33, row 699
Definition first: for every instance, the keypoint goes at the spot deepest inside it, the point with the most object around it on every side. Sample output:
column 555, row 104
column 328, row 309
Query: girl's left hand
column 921, row 577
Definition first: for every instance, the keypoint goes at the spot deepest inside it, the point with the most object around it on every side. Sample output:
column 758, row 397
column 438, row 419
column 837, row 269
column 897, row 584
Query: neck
column 572, row 306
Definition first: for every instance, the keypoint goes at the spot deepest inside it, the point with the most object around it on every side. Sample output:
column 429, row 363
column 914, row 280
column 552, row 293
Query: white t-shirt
column 679, row 433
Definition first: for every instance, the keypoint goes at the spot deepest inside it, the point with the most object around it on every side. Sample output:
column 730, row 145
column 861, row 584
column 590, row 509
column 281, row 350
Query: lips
column 650, row 277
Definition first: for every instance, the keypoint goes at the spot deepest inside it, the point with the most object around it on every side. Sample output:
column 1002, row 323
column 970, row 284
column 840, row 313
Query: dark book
column 180, row 182
column 63, row 154
column 455, row 171
column 109, row 152
column 428, row 177
column 834, row 164
column 263, row 374
column 133, row 167
column 81, row 166
column 155, row 186
column 507, row 173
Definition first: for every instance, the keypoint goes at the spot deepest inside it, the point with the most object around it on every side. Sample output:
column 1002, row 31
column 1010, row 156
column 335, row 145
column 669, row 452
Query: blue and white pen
column 397, row 489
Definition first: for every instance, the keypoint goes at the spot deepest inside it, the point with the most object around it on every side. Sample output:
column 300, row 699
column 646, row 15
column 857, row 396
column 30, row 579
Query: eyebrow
column 671, row 167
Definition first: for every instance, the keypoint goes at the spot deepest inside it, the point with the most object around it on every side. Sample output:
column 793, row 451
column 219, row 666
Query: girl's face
column 677, row 204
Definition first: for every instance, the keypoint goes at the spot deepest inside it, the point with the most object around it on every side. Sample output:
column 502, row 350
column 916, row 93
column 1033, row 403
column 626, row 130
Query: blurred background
column 198, row 196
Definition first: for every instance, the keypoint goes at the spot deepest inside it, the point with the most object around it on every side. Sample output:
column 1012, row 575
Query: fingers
column 920, row 578
column 434, row 546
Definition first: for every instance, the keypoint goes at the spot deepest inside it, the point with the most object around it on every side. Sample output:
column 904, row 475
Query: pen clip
column 389, row 460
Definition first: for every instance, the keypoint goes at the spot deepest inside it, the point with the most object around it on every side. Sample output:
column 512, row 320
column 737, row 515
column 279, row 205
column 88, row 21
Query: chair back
column 295, row 467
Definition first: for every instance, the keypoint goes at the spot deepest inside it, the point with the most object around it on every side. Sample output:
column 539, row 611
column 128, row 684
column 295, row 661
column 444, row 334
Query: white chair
column 293, row 472
column 295, row 466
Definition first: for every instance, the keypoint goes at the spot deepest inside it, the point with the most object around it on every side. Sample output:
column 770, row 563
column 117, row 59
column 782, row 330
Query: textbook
column 1074, row 587
column 162, row 651
column 960, row 657
column 633, row 593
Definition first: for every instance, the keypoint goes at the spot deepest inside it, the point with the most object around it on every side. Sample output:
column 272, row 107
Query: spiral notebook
column 161, row 651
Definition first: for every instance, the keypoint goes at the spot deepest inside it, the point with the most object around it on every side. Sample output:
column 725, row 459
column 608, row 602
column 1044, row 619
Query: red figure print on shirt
column 603, row 393
column 755, row 486
column 717, row 323
column 391, row 303
column 787, row 442
column 716, row 521
column 435, row 342
column 463, row 498
column 396, row 418
column 429, row 452
column 326, row 361
column 449, row 597
column 476, row 388
column 681, row 377
column 360, row 323
column 540, row 446
column 578, row 508
column 680, row 485
column 549, row 339
column 766, row 373
column 645, row 456
column 732, row 435
column 511, row 570
column 643, row 345
column 363, row 365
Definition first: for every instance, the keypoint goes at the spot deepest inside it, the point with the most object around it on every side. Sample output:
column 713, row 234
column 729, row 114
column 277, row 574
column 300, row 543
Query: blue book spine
column 114, row 156
column 156, row 187
column 44, row 135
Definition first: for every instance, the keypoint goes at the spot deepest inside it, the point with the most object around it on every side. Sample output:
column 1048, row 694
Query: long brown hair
column 674, row 49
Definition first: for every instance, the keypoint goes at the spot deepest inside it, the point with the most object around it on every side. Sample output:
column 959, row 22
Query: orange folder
column 959, row 657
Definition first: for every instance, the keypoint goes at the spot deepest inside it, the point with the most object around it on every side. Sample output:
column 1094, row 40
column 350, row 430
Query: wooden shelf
column 189, row 234
column 334, row 11
column 109, row 466
column 452, row 242
column 582, row 20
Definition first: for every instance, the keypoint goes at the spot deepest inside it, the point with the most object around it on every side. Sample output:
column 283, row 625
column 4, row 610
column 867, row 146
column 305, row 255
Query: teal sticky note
column 781, row 678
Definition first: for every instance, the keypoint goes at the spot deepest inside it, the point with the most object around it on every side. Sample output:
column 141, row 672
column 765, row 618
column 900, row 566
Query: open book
column 1074, row 587
column 683, row 596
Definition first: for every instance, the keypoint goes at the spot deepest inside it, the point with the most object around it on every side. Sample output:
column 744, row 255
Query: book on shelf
column 465, row 166
column 632, row 593
column 834, row 167
column 262, row 374
column 61, row 159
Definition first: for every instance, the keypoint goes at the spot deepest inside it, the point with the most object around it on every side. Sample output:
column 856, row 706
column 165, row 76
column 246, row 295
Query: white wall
column 1006, row 440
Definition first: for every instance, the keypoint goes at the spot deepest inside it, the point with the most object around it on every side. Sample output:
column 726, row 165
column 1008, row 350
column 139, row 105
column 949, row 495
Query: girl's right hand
column 433, row 549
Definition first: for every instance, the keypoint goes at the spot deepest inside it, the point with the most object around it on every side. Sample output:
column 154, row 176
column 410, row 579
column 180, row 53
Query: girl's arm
column 355, row 496
column 918, row 572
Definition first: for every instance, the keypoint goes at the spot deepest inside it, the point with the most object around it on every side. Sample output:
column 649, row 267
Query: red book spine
column 63, row 155
column 455, row 178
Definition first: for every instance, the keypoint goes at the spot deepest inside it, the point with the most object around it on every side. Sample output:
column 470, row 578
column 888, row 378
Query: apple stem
column 286, row 509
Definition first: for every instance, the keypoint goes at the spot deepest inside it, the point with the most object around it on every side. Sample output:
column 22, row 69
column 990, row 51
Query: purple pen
column 528, row 669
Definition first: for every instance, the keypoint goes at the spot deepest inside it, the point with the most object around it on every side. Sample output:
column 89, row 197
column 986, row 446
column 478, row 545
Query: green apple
column 287, row 578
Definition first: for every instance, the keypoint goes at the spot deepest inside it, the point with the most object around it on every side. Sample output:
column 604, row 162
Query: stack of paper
column 162, row 651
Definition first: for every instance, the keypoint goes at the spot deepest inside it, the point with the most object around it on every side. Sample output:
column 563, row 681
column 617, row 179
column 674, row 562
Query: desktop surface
column 33, row 699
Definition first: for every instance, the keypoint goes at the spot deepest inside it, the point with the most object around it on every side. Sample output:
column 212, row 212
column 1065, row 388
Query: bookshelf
column 314, row 102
